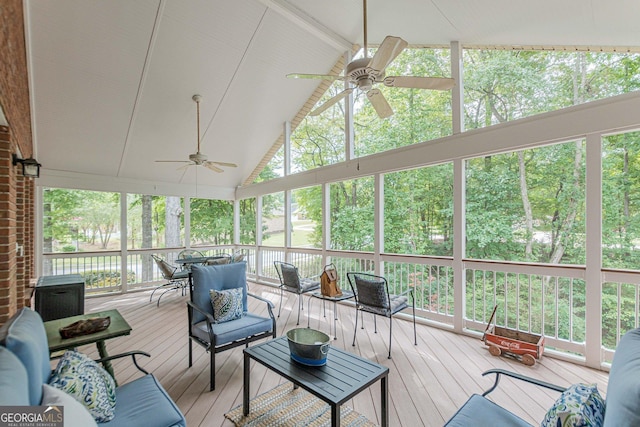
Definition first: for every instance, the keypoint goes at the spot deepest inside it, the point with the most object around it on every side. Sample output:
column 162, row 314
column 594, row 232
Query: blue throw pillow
column 579, row 406
column 85, row 380
column 227, row 304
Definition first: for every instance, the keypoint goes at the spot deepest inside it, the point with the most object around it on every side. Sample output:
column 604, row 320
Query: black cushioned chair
column 371, row 293
column 290, row 281
column 217, row 337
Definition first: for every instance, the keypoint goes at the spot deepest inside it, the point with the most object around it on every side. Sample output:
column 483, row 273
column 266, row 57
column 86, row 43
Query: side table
column 317, row 294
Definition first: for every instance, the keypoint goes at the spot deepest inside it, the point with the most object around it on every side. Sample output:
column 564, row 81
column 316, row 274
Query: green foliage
column 352, row 215
column 211, row 221
column 99, row 279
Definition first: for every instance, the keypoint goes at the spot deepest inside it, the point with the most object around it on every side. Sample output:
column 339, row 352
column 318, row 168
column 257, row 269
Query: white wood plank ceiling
column 112, row 80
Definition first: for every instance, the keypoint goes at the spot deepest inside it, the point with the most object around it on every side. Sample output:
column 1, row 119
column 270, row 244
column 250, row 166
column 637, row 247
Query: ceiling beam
column 309, row 24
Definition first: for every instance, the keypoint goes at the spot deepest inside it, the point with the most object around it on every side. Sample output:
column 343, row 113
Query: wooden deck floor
column 427, row 382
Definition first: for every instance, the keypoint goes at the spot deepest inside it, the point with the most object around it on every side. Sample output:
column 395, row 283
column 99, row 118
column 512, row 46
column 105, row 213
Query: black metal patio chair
column 372, row 295
column 291, row 281
column 176, row 279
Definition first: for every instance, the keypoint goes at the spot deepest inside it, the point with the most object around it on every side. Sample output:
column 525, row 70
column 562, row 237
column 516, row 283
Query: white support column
column 457, row 93
column 326, row 222
column 349, row 149
column 123, row 243
column 458, row 243
column 287, row 148
column 378, row 222
column 258, row 236
column 593, row 272
column 288, row 226
column 236, row 222
column 38, row 259
column 187, row 221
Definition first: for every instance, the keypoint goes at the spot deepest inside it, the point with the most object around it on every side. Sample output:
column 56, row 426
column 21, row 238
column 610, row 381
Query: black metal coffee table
column 344, row 376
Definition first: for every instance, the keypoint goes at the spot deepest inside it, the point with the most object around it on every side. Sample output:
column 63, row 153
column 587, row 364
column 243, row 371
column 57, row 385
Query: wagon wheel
column 528, row 360
column 494, row 350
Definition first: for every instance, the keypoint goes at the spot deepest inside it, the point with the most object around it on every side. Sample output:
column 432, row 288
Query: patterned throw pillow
column 85, row 380
column 227, row 304
column 579, row 406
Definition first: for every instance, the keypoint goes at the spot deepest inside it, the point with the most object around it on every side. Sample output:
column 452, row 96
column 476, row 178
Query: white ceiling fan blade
column 229, row 165
column 210, row 165
column 379, row 103
column 434, row 83
column 388, row 51
column 331, row 101
column 172, row 161
column 315, row 76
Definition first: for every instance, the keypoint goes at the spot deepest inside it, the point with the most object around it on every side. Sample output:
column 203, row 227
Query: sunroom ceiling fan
column 197, row 158
column 365, row 72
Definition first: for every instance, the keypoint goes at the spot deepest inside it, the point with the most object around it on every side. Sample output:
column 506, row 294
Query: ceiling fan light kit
column 364, row 73
column 197, row 158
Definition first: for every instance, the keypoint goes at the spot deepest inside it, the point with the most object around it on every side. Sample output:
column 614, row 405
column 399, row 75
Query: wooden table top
column 118, row 327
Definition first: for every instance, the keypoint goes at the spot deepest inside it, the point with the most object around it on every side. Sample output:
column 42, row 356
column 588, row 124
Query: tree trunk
column 526, row 204
column 173, row 210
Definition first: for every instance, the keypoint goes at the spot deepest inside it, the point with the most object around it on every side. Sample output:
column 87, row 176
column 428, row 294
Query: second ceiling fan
column 197, row 158
column 365, row 72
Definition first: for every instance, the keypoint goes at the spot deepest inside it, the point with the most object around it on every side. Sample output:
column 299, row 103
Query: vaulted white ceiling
column 112, row 80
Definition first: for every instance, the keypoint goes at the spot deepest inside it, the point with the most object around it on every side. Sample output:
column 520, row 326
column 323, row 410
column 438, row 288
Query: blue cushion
column 481, row 412
column 218, row 277
column 87, row 382
column 579, row 405
column 249, row 324
column 25, row 336
column 143, row 402
column 13, row 380
column 623, row 389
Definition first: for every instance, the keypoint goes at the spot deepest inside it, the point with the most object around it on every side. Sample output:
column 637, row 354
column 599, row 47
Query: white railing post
column 378, row 223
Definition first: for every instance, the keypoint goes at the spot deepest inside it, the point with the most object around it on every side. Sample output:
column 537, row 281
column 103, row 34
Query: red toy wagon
column 522, row 346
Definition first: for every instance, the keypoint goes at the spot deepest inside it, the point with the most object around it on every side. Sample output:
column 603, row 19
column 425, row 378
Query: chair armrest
column 208, row 316
column 407, row 291
column 269, row 303
column 270, row 307
column 517, row 376
column 133, row 355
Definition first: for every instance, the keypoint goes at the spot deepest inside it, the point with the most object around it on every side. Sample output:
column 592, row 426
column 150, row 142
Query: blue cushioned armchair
column 217, row 337
column 622, row 407
column 25, row 367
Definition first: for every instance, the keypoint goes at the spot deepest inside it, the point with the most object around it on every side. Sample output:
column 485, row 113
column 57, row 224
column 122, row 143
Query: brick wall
column 16, row 192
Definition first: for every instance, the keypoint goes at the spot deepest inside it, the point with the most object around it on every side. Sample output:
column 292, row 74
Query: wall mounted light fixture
column 30, row 166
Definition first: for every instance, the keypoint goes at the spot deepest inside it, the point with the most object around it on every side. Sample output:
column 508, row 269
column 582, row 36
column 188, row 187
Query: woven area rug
column 286, row 407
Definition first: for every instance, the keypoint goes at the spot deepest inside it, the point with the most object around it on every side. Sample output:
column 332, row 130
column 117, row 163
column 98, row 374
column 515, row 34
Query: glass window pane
column 248, row 221
column 79, row 221
column 319, row 140
column 419, row 114
column 351, row 214
column 273, row 225
column 154, row 221
column 211, row 222
column 621, row 200
column 527, row 205
column 306, row 217
column 422, row 223
column 503, row 85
